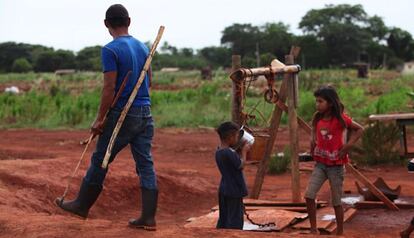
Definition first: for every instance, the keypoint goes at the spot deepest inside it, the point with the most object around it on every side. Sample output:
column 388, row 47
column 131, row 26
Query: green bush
column 279, row 164
column 379, row 145
column 21, row 65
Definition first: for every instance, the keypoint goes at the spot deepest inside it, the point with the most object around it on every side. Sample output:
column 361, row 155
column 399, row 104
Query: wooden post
column 274, row 126
column 293, row 132
column 238, row 88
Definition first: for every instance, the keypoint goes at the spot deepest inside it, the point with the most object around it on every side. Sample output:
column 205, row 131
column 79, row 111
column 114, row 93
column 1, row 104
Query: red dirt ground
column 35, row 166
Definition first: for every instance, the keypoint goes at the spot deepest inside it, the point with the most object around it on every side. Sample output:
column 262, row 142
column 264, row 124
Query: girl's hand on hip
column 344, row 150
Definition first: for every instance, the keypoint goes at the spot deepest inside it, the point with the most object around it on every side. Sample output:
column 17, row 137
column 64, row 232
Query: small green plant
column 279, row 163
column 379, row 145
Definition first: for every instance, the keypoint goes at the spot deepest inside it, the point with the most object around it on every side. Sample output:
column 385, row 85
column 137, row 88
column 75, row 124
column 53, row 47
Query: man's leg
column 141, row 151
column 91, row 185
column 316, row 181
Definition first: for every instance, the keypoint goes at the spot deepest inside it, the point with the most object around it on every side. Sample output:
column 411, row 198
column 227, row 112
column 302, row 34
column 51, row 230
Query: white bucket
column 246, row 137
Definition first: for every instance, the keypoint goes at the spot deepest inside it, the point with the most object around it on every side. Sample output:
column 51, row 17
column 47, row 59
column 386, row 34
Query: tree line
column 334, row 36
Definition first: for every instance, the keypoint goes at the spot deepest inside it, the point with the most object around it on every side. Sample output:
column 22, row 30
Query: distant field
column 182, row 99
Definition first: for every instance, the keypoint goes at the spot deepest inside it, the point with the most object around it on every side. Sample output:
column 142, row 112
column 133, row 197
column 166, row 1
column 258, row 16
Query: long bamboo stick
column 131, row 98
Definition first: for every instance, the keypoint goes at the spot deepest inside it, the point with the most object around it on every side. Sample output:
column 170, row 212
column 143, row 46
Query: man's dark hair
column 227, row 129
column 117, row 16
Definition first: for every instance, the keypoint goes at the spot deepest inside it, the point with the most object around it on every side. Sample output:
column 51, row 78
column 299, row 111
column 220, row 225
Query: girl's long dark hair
column 328, row 93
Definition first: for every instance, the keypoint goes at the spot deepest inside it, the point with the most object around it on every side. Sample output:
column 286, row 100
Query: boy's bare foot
column 339, row 233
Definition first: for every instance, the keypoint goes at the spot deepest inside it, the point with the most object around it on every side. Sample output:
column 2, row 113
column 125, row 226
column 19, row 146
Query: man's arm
column 107, row 97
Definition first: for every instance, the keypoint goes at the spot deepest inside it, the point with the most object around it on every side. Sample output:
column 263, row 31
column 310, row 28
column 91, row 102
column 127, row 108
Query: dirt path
column 35, row 165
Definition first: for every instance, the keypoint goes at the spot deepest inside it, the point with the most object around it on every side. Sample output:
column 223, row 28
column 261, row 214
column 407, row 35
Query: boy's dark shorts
column 231, row 212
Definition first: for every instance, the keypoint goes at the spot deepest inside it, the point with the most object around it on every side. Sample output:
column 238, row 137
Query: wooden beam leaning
column 274, row 126
column 372, row 187
column 302, row 123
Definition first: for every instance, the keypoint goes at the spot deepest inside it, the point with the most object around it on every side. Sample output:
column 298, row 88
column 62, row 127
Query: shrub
column 378, row 145
column 279, row 164
column 21, row 65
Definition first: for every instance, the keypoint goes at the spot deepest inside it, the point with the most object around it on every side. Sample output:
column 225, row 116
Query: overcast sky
column 74, row 24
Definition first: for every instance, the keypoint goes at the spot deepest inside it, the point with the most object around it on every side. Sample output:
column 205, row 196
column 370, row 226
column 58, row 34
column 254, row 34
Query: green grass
column 42, row 110
column 71, row 101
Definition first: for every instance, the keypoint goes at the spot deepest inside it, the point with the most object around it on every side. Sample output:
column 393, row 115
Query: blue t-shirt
column 232, row 182
column 123, row 54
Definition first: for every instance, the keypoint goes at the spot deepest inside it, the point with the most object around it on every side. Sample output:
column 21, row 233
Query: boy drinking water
column 232, row 187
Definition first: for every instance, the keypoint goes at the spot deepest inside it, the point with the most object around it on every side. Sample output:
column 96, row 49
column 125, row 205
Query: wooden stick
column 238, row 88
column 375, row 204
column 253, row 202
column 302, row 123
column 77, row 167
column 242, row 73
column 131, row 98
column 255, row 208
column 273, row 130
column 293, row 134
column 372, row 187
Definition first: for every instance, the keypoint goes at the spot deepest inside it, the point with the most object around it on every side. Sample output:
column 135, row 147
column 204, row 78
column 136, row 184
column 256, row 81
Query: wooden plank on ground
column 257, row 202
column 375, row 204
column 348, row 215
column 281, row 218
column 321, row 219
column 358, row 175
column 255, row 208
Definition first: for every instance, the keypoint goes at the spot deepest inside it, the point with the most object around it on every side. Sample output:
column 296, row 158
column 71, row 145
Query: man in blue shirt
column 123, row 54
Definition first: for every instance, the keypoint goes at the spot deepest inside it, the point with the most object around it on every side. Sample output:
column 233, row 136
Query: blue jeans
column 138, row 131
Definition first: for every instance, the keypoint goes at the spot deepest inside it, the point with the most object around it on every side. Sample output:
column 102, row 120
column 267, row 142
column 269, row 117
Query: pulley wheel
column 271, row 96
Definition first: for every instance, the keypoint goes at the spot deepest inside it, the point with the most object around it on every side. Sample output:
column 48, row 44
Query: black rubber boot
column 149, row 208
column 86, row 198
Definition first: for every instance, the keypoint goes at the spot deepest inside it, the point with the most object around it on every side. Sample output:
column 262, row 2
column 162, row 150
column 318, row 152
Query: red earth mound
column 35, row 167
